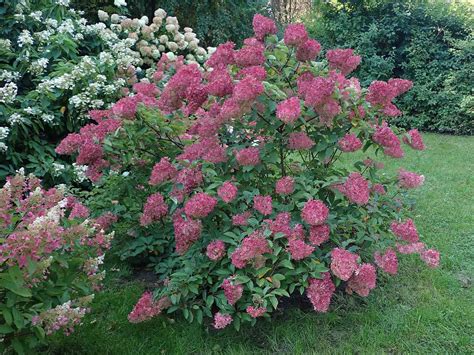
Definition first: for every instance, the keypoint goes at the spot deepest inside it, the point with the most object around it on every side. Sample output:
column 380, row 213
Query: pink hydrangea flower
column 289, row 110
column 314, row 212
column 250, row 55
column 232, row 292
column 299, row 141
column 247, row 89
column 223, row 56
column 412, row 248
column 343, row 263
column 430, row 257
column 317, row 91
column 414, row 140
column 220, row 83
column 257, row 71
column 388, row 262
column 394, row 152
column 319, row 234
column 221, row 320
column 409, row 180
column 215, row 250
column 248, row 156
column 263, row 204
column 384, row 136
column 263, row 26
column 363, row 280
column 256, row 312
column 285, row 185
column 308, row 50
column 356, row 189
column 320, row 292
column 343, row 60
column 405, row 230
column 241, row 219
column 162, row 172
column 147, row 308
column 281, row 224
column 379, row 189
column 400, row 86
column 79, row 211
column 295, row 34
column 227, row 192
column 299, row 249
column 155, row 209
column 349, row 143
column 200, row 205
column 251, row 248
column 186, row 232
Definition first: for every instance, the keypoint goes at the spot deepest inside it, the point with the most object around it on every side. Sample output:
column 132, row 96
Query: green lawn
column 420, row 310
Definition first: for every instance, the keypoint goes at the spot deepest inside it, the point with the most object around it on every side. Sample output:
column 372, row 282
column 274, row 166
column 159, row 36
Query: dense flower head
column 251, row 247
column 147, row 308
column 356, row 189
column 295, row 34
column 263, row 204
column 147, row 89
column 379, row 189
column 405, row 230
column 343, row 60
column 320, row 292
column 248, row 156
column 414, row 140
column 314, row 212
column 308, row 50
column 319, row 234
column 349, row 143
column 299, row 141
column 227, row 192
column 79, row 211
column 186, row 232
column 215, row 250
column 431, row 257
column 200, row 205
column 363, row 280
column 162, row 171
column 380, row 93
column 190, row 178
column 289, row 110
column 231, row 291
column 384, row 136
column 257, row 71
column 248, row 89
column 255, row 312
column 409, row 180
column 411, row 248
column 221, row 320
column 317, row 91
column 250, row 55
column 223, row 56
column 220, row 83
column 263, row 26
column 388, row 261
column 394, row 152
column 343, row 263
column 155, row 208
column 281, row 224
column 241, row 219
column 285, row 185
column 400, row 86
column 299, row 249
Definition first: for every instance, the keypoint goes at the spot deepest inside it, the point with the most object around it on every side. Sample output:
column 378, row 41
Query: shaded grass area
column 420, row 310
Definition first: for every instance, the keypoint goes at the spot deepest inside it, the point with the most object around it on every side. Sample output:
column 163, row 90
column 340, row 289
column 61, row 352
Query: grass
column 420, row 310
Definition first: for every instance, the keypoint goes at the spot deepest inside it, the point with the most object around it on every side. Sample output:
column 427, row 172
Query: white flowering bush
column 54, row 68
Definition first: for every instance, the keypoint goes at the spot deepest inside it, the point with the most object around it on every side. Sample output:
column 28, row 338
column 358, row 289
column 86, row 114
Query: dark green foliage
column 214, row 21
column 428, row 42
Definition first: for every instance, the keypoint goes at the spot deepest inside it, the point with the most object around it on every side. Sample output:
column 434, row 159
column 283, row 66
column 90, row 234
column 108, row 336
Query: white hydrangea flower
column 103, row 16
column 80, row 172
column 160, row 13
column 47, row 118
column 58, row 169
column 25, row 38
column 3, row 147
column 5, row 43
column 8, row 93
column 120, row 3
column 4, row 132
column 63, row 2
column 38, row 66
column 115, row 18
column 15, row 118
column 36, row 15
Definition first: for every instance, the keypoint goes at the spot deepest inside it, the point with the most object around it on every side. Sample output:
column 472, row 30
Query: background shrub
column 428, row 42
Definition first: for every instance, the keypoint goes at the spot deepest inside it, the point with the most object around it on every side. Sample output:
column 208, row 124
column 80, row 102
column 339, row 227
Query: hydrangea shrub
column 50, row 261
column 55, row 67
column 234, row 175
